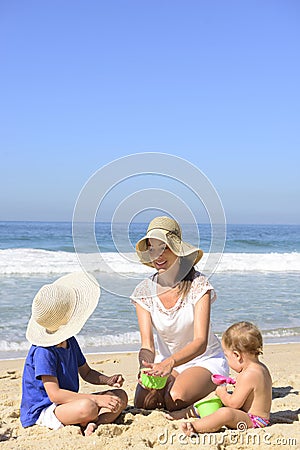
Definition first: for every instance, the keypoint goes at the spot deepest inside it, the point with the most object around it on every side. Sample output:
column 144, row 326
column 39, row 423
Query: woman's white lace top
column 175, row 326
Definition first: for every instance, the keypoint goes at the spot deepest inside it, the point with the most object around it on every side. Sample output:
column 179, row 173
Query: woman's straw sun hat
column 167, row 230
column 60, row 309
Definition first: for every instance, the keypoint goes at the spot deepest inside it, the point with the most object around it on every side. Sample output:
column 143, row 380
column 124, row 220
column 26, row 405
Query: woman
column 176, row 302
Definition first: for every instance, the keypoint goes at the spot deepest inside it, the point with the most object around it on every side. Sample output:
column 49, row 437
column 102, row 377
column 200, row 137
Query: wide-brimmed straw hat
column 167, row 230
column 60, row 309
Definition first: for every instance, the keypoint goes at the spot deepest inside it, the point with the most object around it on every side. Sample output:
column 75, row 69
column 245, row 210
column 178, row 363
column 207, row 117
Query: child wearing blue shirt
column 50, row 381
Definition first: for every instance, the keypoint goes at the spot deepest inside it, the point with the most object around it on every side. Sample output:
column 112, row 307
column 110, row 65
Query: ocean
column 257, row 279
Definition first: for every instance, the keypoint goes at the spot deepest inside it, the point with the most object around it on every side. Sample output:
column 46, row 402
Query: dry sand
column 139, row 429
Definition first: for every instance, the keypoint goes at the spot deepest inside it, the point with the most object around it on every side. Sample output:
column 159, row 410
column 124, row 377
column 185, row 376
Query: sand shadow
column 283, row 391
column 123, row 419
column 287, row 416
column 5, row 436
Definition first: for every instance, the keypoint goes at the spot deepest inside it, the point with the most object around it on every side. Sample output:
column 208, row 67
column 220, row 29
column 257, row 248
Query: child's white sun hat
column 60, row 309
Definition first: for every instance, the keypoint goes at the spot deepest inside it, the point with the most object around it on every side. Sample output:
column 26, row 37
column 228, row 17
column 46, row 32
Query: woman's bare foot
column 90, row 428
column 184, row 413
column 175, row 415
column 187, row 428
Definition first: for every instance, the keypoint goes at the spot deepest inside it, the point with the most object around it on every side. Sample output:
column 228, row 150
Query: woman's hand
column 162, row 369
column 141, row 384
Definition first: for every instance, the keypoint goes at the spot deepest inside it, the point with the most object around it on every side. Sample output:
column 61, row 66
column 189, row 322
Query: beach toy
column 220, row 379
column 152, row 382
column 209, row 406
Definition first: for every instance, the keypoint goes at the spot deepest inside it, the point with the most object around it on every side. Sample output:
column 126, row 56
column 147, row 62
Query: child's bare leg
column 223, row 417
column 86, row 413
column 79, row 412
column 105, row 415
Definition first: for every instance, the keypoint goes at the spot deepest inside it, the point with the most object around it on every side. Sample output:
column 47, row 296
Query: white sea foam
column 131, row 340
column 259, row 262
column 35, row 261
column 86, row 341
column 108, row 340
column 11, row 346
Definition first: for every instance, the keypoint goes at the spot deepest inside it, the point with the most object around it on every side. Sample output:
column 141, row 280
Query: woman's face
column 161, row 256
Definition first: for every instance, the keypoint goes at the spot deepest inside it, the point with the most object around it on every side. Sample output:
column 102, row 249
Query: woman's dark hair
column 186, row 274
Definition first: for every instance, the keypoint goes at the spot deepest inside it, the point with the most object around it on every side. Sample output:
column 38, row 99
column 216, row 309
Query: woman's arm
column 145, row 326
column 194, row 348
column 147, row 351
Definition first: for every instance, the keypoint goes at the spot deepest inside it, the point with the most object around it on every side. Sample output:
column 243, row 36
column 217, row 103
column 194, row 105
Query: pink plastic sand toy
column 220, row 379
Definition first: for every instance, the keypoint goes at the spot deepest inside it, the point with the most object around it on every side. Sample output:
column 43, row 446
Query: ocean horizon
column 256, row 279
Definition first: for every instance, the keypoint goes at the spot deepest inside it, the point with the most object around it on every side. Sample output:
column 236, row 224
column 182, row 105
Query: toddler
column 251, row 399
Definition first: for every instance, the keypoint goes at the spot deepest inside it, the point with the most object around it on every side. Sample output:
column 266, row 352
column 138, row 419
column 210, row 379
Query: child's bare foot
column 187, row 428
column 90, row 428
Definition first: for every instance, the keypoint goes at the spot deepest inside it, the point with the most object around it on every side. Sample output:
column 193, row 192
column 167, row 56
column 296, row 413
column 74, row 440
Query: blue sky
column 214, row 82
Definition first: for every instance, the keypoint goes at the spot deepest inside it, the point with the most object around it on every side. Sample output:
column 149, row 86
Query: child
column 250, row 402
column 50, row 381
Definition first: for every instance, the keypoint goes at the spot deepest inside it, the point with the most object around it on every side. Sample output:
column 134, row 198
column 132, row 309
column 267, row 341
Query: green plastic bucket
column 206, row 407
column 151, row 381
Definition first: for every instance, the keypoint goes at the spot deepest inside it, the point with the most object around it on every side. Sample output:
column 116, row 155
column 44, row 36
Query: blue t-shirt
column 58, row 362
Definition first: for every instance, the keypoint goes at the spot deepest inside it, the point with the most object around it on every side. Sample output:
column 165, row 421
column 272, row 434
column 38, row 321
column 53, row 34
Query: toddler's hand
column 220, row 390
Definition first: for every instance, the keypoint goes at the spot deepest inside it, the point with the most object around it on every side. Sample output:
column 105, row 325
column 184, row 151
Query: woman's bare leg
column 189, row 386
column 184, row 413
column 152, row 398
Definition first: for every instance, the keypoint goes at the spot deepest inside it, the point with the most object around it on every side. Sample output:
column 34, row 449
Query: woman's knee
column 174, row 399
column 184, row 391
column 146, row 399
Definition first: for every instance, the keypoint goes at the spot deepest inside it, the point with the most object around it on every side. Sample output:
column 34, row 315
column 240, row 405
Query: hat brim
column 176, row 245
column 87, row 293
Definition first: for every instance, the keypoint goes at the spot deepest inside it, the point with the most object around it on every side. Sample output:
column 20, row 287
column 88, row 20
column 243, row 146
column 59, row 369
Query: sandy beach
column 140, row 429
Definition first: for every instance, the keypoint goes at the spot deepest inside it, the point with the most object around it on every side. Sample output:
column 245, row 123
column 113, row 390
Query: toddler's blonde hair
column 243, row 337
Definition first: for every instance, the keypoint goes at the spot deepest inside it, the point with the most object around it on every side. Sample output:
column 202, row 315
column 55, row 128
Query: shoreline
column 122, row 352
